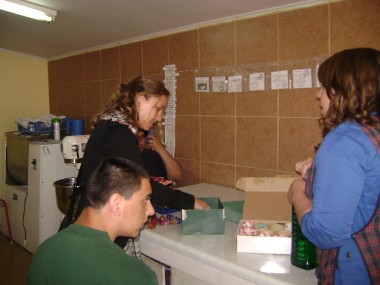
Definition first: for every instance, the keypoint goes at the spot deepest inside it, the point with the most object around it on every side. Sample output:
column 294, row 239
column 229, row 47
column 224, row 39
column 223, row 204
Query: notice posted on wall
column 202, row 84
column 219, row 84
column 257, row 81
column 279, row 80
column 235, row 83
column 302, row 78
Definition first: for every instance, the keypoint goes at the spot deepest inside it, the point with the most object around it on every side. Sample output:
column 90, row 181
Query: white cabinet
column 46, row 165
column 15, row 198
column 33, row 209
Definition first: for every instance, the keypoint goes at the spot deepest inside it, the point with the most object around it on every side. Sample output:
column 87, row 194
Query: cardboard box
column 266, row 201
column 204, row 222
column 233, row 211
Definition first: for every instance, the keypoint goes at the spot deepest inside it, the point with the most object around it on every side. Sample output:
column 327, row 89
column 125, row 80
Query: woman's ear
column 140, row 99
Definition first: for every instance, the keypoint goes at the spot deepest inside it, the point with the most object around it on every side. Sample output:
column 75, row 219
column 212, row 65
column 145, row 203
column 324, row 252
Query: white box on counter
column 265, row 202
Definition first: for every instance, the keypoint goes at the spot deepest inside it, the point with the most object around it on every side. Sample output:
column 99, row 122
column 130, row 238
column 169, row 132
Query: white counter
column 213, row 258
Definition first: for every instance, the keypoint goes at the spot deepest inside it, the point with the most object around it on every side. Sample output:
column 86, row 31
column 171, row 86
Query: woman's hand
column 172, row 167
column 303, row 166
column 201, row 205
column 296, row 189
column 167, row 182
column 297, row 197
column 155, row 143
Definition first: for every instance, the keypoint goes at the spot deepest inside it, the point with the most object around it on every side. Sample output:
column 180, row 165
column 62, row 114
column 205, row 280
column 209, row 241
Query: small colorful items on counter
column 276, row 227
column 265, row 233
column 168, row 219
column 248, row 227
column 262, row 226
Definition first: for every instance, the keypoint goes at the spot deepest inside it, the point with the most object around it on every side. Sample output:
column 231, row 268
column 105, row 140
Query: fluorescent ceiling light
column 27, row 9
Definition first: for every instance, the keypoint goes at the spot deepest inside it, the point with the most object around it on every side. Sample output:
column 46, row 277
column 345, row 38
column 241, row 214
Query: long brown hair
column 352, row 82
column 124, row 100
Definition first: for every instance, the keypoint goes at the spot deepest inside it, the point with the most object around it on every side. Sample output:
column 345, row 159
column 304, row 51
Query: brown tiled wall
column 221, row 137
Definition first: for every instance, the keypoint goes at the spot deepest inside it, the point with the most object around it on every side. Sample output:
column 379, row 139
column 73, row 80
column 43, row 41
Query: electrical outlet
column 15, row 196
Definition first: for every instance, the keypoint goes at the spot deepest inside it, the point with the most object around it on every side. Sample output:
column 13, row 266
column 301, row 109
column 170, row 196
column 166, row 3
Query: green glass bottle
column 304, row 253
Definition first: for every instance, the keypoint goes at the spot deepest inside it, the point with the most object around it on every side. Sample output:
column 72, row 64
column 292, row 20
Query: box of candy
column 204, row 222
column 264, row 237
column 266, row 223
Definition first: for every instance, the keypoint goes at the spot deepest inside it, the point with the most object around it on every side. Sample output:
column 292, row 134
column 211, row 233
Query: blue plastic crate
column 64, row 125
column 41, row 128
column 35, row 128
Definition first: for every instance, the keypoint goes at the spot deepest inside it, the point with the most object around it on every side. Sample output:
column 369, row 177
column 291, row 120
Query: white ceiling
column 83, row 25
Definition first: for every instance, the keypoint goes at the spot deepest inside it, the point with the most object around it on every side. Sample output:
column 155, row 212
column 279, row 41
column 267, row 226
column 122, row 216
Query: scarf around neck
column 120, row 118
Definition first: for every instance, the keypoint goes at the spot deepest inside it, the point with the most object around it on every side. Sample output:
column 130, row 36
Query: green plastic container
column 204, row 222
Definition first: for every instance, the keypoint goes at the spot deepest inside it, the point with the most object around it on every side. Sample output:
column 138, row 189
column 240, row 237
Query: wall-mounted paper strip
column 170, row 114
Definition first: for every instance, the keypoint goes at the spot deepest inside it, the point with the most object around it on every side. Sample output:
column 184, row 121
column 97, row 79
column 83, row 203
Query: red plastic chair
column 3, row 204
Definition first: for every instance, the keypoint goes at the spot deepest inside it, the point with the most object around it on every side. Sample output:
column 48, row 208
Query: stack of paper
column 171, row 84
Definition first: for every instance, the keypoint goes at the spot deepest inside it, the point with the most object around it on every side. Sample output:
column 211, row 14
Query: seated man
column 159, row 163
column 119, row 195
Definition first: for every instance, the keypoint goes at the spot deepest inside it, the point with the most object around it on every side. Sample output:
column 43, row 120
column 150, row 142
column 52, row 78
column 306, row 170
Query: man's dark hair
column 114, row 175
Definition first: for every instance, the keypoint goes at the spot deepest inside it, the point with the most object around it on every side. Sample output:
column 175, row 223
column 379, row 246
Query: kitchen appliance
column 33, row 209
column 17, row 151
column 73, row 148
column 64, row 192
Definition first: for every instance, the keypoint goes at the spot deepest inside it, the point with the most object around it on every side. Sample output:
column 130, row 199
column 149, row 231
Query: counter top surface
column 219, row 251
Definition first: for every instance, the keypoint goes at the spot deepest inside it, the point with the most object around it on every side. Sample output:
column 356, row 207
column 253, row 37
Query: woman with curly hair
column 338, row 204
column 137, row 105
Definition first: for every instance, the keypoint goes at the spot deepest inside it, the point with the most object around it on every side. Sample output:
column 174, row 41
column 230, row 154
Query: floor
column 14, row 262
